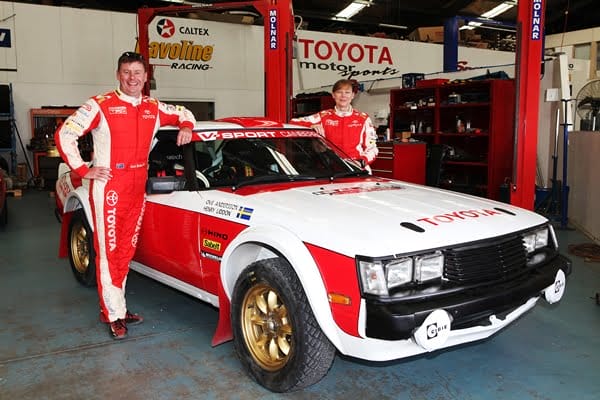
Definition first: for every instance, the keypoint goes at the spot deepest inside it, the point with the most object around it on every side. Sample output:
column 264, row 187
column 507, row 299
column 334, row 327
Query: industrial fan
column 588, row 106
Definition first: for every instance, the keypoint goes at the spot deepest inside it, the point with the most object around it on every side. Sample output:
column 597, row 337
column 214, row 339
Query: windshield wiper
column 347, row 174
column 273, row 179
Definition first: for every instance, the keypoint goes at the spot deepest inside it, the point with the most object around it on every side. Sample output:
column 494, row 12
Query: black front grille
column 487, row 262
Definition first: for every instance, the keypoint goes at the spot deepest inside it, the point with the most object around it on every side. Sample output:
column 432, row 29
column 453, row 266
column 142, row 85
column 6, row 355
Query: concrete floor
column 52, row 345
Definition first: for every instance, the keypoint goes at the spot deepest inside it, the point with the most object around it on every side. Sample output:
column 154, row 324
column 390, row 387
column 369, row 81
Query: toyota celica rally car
column 305, row 254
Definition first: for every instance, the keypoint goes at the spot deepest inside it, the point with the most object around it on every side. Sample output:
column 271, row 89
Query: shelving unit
column 8, row 137
column 304, row 105
column 44, row 122
column 473, row 123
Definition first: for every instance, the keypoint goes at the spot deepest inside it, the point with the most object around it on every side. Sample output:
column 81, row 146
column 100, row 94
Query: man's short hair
column 129, row 57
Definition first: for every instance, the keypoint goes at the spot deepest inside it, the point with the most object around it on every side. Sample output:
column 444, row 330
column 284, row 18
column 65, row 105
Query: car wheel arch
column 261, row 242
column 77, row 199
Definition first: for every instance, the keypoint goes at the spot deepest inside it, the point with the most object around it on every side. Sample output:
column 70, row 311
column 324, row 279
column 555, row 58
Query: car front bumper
column 398, row 320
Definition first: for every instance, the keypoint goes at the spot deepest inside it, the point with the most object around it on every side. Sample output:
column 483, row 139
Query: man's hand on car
column 184, row 136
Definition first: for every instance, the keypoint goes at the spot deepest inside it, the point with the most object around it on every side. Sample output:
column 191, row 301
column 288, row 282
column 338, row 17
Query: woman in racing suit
column 349, row 129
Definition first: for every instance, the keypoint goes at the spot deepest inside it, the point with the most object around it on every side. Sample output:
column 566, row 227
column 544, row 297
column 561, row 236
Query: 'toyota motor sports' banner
column 217, row 54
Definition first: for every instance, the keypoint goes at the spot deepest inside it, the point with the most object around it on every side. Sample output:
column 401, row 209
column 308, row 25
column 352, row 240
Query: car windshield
column 244, row 161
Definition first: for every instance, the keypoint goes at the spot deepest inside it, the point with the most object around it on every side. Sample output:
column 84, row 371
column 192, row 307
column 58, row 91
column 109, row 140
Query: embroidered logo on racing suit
column 119, row 110
column 148, row 115
column 112, row 198
column 138, row 226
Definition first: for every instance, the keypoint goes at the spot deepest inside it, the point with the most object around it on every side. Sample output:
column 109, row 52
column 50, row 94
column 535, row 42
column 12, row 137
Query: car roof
column 237, row 123
column 240, row 127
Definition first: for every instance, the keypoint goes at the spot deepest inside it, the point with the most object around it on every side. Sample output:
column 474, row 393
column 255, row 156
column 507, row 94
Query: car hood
column 379, row 217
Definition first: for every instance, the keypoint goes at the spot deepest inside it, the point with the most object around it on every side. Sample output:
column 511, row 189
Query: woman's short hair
column 343, row 83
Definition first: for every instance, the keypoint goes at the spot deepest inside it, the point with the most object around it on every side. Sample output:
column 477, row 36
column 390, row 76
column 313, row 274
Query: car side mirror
column 164, row 184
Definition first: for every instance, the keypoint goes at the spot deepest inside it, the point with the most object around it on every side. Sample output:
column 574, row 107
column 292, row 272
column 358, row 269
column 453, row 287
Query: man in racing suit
column 349, row 129
column 123, row 124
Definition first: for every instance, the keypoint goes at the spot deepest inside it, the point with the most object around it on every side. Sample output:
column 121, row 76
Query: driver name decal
column 220, row 208
column 457, row 215
column 225, row 209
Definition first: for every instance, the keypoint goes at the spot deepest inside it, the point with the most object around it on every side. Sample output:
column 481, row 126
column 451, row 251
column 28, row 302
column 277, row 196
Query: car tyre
column 81, row 249
column 276, row 335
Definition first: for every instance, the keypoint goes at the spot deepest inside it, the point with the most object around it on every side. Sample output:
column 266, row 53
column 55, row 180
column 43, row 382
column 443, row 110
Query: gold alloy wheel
column 266, row 327
column 80, row 252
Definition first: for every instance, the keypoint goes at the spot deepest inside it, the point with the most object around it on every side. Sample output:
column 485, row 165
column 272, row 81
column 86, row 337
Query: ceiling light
column 470, row 25
column 393, row 26
column 499, row 9
column 352, row 9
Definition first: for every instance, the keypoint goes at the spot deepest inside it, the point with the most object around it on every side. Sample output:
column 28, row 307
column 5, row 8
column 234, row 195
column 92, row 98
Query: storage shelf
column 466, row 163
column 459, row 134
column 422, row 108
column 425, row 134
column 487, row 106
column 44, row 122
column 464, row 105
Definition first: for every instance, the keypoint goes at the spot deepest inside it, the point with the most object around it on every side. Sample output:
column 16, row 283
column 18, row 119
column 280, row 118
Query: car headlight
column 428, row 267
column 399, row 272
column 372, row 277
column 378, row 276
column 536, row 239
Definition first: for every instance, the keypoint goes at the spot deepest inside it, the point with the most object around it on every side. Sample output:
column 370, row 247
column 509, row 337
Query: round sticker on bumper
column 434, row 331
column 554, row 292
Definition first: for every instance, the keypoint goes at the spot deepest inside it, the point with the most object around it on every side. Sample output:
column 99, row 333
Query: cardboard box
column 403, row 135
column 434, row 34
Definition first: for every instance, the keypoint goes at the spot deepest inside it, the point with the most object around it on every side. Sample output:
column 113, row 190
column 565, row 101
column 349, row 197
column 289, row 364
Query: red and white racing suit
column 351, row 131
column 123, row 128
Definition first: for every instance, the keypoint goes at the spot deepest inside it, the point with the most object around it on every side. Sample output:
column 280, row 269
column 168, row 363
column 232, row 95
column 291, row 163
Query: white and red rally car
column 305, row 254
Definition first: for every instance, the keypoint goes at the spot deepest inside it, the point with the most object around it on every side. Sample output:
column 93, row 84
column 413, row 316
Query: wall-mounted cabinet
column 473, row 123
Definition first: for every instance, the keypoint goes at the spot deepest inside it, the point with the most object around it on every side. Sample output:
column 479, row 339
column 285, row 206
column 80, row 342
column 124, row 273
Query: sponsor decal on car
column 458, row 215
column 210, row 256
column 218, row 235
column 208, row 136
column 211, row 244
column 245, row 213
column 359, row 189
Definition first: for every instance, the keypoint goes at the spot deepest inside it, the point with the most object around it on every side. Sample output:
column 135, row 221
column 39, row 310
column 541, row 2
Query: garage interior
column 52, row 345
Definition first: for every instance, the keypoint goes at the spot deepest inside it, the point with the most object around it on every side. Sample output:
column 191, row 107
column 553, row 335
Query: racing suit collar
column 135, row 101
column 343, row 113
